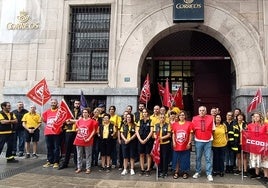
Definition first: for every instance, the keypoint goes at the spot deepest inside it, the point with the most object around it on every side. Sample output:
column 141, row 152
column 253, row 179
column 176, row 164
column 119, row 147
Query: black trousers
column 164, row 158
column 8, row 139
column 70, row 148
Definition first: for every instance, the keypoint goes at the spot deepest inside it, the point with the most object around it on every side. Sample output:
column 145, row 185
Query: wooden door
column 212, row 85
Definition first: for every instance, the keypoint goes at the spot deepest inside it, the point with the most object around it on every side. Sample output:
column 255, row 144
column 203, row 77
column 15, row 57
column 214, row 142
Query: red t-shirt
column 203, row 127
column 49, row 118
column 255, row 127
column 85, row 128
column 182, row 134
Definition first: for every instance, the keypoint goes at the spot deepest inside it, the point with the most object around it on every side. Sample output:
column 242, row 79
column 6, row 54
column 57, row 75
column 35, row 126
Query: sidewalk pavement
column 30, row 173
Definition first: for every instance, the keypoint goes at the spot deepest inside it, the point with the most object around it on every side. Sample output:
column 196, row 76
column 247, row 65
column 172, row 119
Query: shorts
column 129, row 150
column 145, row 148
column 34, row 137
column 105, row 147
column 255, row 160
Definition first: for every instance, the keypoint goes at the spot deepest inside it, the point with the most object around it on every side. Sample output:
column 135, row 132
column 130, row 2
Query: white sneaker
column 132, row 172
column 124, row 172
column 196, row 175
column 210, row 178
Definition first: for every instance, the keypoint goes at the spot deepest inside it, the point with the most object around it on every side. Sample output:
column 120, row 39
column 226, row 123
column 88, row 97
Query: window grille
column 89, row 43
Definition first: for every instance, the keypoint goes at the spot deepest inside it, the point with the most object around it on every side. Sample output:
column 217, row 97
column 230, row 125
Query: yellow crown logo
column 188, row 1
column 23, row 17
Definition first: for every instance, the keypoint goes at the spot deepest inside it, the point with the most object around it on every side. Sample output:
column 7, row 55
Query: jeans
column 183, row 158
column 19, row 135
column 53, row 148
column 88, row 154
column 200, row 149
column 229, row 156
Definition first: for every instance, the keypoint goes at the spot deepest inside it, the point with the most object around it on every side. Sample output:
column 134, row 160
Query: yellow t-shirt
column 31, row 120
column 105, row 131
column 219, row 136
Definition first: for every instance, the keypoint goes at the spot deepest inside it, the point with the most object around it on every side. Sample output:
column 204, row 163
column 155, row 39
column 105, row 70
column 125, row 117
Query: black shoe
column 13, row 160
column 214, row 173
column 62, row 167
column 20, row 154
column 160, row 175
column 237, row 172
column 245, row 174
column 255, row 176
column 35, row 156
column 27, row 156
column 221, row 174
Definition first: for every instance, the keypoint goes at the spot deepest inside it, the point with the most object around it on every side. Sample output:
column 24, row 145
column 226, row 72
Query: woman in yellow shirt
column 218, row 146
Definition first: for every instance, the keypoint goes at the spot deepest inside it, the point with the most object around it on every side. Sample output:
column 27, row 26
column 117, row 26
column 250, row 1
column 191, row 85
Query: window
column 89, row 43
column 179, row 73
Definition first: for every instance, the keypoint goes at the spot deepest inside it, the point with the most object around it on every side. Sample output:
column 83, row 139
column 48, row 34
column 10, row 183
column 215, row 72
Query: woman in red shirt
column 182, row 138
column 86, row 129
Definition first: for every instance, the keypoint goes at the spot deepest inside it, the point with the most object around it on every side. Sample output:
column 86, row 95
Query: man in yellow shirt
column 31, row 121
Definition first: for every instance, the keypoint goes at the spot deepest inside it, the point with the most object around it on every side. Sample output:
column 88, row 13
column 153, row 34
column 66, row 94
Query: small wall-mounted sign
column 188, row 10
column 127, row 79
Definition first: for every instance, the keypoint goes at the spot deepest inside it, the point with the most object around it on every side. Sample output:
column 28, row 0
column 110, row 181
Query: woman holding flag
column 163, row 131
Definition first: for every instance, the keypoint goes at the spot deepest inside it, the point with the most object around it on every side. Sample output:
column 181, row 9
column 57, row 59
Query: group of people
column 17, row 129
column 120, row 141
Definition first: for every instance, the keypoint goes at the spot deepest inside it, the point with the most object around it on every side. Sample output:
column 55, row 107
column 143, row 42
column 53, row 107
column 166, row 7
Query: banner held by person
column 145, row 91
column 155, row 153
column 255, row 101
column 64, row 113
column 255, row 142
column 39, row 93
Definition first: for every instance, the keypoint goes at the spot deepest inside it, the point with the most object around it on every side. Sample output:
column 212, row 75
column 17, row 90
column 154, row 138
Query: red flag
column 62, row 115
column 145, row 91
column 255, row 142
column 255, row 101
column 155, row 153
column 167, row 98
column 161, row 90
column 39, row 93
column 178, row 98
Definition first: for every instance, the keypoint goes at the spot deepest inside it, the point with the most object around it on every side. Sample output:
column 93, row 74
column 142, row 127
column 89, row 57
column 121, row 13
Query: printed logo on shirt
column 181, row 137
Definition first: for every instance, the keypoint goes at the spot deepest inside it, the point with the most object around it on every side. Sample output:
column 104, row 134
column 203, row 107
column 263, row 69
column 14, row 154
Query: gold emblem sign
column 23, row 23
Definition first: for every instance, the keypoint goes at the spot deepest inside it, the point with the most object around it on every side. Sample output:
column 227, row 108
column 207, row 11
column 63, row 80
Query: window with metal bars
column 89, row 43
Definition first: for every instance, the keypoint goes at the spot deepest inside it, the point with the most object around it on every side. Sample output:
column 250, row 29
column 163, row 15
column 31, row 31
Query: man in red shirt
column 52, row 135
column 203, row 126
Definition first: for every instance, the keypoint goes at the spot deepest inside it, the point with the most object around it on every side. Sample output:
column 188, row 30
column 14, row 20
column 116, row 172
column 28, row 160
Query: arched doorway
column 198, row 63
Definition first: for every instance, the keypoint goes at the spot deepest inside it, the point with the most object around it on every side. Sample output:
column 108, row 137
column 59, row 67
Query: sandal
column 78, row 171
column 88, row 171
column 185, row 176
column 176, row 175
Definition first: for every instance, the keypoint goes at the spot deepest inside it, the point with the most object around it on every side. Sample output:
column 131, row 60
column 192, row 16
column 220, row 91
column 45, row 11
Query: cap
column 101, row 105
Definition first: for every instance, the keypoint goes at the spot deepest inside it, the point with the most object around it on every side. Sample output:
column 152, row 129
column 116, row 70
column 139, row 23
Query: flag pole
column 263, row 106
column 156, row 174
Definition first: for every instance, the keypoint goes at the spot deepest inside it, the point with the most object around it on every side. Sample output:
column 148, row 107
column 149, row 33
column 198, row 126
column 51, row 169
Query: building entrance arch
column 239, row 38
